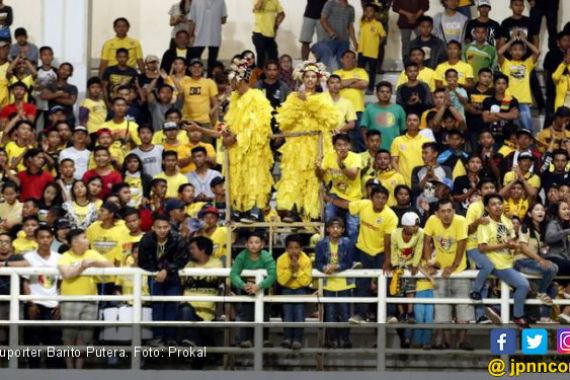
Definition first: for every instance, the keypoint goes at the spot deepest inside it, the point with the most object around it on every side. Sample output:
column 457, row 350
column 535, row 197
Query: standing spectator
column 121, row 40
column 171, row 173
column 46, row 74
column 118, row 75
column 78, row 152
column 479, row 53
column 294, row 274
column 347, row 115
column 276, row 91
column 93, row 110
column 549, row 10
column 551, row 64
column 384, row 116
column 406, row 149
column 446, row 233
column 165, row 252
column 450, row 24
column 207, row 18
column 501, row 109
column 180, row 19
column 71, row 266
column 493, row 27
column 11, row 208
column 179, row 50
column 354, row 81
column 476, row 95
column 561, row 78
column 414, row 95
column 409, row 17
column 269, row 15
column 33, row 180
column 6, row 19
column 4, row 64
column 149, row 153
column 464, row 70
column 433, row 47
column 425, row 74
column 61, row 93
column 337, row 20
column 372, row 34
column 311, row 24
column 200, row 97
column 23, row 48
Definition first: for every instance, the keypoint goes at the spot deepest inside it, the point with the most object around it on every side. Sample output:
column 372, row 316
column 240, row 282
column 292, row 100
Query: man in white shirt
column 78, row 152
column 202, row 176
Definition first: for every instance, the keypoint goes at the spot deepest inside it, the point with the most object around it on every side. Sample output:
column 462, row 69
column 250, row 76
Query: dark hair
column 348, row 52
column 557, row 152
column 124, row 87
column 271, row 62
column 400, row 187
column 118, row 20
column 127, row 158
column 203, row 243
column 424, row 18
column 257, row 233
column 116, row 188
column 31, row 153
column 450, row 71
column 384, row 83
column 442, row 202
column 430, row 145
column 145, row 126
column 121, row 50
column 31, row 217
column 171, row 111
column 118, row 99
column 379, row 189
column 45, row 48
column 183, row 186
column 156, row 217
column 416, row 49
column 380, row 151
column 93, row 80
column 58, row 200
column 10, row 185
column 487, row 198
column 485, row 70
column 128, row 211
column 335, row 220
column 43, row 227
column 164, row 85
column 498, row 76
column 334, row 76
column 169, row 153
column 199, row 149
column 293, row 238
column 485, row 180
column 373, row 132
column 454, row 42
column 411, row 64
column 562, row 111
column 155, row 181
column 341, row 136
column 18, row 84
column 73, row 233
column 101, row 148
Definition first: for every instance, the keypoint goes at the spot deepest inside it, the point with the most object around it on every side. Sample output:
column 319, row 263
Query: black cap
column 524, row 131
column 217, row 181
column 61, row 224
column 195, row 61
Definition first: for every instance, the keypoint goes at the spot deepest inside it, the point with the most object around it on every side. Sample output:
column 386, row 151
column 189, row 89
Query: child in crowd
column 371, row 35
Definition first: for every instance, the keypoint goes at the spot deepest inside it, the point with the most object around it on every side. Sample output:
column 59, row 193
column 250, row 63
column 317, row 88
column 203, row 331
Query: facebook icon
column 503, row 341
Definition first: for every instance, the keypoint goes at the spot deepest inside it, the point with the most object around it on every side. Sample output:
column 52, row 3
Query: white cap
column 410, row 219
column 484, row 3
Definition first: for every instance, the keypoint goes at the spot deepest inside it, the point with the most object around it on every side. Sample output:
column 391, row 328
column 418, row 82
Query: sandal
column 545, row 299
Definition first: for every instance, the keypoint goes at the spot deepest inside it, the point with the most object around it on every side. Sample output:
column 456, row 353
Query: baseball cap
column 173, row 204
column 209, row 210
column 484, row 3
column 169, row 125
column 410, row 219
column 217, row 181
column 55, row 109
column 104, row 131
column 195, row 61
column 80, row 128
column 526, row 155
column 151, row 58
column 524, row 131
column 446, row 182
column 61, row 224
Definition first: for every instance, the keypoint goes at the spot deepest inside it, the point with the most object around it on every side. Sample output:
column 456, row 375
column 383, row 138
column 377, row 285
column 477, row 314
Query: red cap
column 210, row 210
column 104, row 131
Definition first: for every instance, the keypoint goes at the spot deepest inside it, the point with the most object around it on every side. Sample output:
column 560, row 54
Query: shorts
column 308, row 30
column 453, row 288
column 78, row 311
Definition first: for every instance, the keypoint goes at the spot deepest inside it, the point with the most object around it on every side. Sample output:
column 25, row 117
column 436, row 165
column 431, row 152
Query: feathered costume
column 249, row 119
column 299, row 185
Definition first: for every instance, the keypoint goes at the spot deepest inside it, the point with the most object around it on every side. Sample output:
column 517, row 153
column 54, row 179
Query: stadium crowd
column 445, row 171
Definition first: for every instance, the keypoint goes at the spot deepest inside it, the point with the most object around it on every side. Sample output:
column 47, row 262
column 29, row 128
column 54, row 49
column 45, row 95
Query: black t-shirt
column 71, row 90
column 407, row 92
column 476, row 98
column 314, row 8
column 272, row 93
column 503, row 106
column 118, row 77
column 509, row 25
column 5, row 280
column 493, row 30
column 461, row 186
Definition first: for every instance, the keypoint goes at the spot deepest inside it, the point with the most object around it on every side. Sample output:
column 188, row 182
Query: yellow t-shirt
column 4, row 84
column 301, row 278
column 220, row 239
column 507, row 149
column 342, row 186
column 425, row 75
column 345, row 112
column 409, row 152
column 159, row 137
column 475, row 211
column 370, row 34
column 498, row 233
column 373, row 226
column 265, row 17
column 11, row 213
column 28, row 81
column 204, row 309
column 126, row 128
column 182, row 150
column 197, row 95
column 519, row 78
column 107, row 241
column 117, row 153
column 97, row 113
column 13, row 150
column 464, row 71
column 445, row 240
column 405, row 254
column 210, row 152
column 23, row 245
column 532, row 179
column 136, row 186
column 127, row 260
column 516, row 208
column 181, row 53
column 80, row 285
column 111, row 46
column 355, row 96
column 173, row 183
column 336, row 284
column 193, row 209
column 545, row 137
column 390, row 179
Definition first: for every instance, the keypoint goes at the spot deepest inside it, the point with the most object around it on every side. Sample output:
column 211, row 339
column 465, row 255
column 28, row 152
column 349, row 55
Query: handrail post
column 137, row 313
column 14, row 316
column 258, row 329
column 381, row 331
column 505, row 304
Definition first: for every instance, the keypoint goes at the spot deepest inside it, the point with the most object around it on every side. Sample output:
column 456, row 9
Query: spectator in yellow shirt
column 174, row 179
column 294, row 274
column 464, row 70
column 371, row 35
column 93, row 110
column 269, row 15
column 121, row 40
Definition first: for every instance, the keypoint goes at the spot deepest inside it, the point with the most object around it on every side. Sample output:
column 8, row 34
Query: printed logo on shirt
column 195, row 91
column 518, row 71
column 385, row 120
column 445, row 243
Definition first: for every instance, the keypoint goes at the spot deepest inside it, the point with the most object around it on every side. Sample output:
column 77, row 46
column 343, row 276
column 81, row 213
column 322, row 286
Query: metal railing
column 137, row 299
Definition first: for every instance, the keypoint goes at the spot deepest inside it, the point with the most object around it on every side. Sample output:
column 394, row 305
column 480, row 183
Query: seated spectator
column 18, row 137
column 464, row 70
column 202, row 176
column 433, row 47
column 294, row 274
column 26, row 240
column 476, row 95
column 406, row 149
column 170, row 173
column 71, row 266
column 500, row 110
column 450, row 24
column 61, row 93
column 34, row 179
column 251, row 258
column 524, row 140
column 201, row 250
column 334, row 254
column 123, row 128
column 219, row 235
column 165, row 252
column 465, row 186
column 77, row 152
column 431, row 170
column 554, row 170
column 163, row 101
column 148, row 152
column 186, row 195
column 371, row 35
column 425, row 74
column 519, row 195
column 81, row 211
column 103, row 170
column 118, row 75
column 19, row 106
column 137, row 179
column 11, row 207
column 180, row 49
column 347, row 114
column 387, row 175
column 108, row 53
column 23, row 48
column 553, row 136
column 457, row 95
column 455, row 158
column 414, row 95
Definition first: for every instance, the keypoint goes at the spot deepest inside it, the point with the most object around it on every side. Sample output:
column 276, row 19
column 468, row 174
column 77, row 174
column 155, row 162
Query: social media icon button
column 563, row 341
column 534, row 341
column 503, row 341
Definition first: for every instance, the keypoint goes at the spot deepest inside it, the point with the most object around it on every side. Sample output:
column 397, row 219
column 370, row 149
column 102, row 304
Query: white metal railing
column 136, row 298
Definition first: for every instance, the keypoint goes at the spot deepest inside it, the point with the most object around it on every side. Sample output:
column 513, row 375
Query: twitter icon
column 534, row 341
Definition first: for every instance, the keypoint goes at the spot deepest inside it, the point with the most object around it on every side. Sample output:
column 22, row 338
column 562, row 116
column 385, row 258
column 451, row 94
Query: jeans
column 484, row 265
column 423, row 314
column 106, row 289
column 186, row 312
column 337, row 312
column 363, row 284
column 265, row 48
column 531, row 267
column 466, row 11
column 196, row 52
column 164, row 311
column 330, row 52
column 406, row 35
column 46, row 335
column 525, row 117
column 293, row 312
column 369, row 64
column 352, row 222
column 245, row 312
column 513, row 278
column 358, row 145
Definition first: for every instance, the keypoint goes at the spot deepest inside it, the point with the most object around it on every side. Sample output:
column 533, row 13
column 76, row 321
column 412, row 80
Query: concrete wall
column 149, row 19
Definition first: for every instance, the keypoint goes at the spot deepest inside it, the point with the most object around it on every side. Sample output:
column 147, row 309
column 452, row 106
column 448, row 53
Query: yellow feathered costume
column 249, row 118
column 299, row 185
